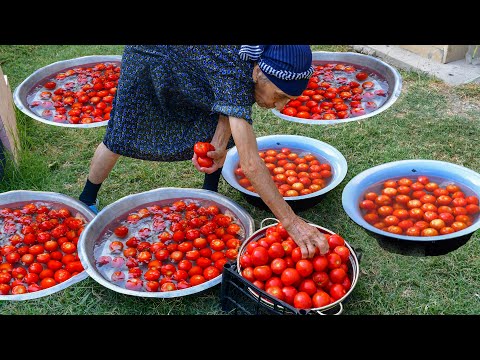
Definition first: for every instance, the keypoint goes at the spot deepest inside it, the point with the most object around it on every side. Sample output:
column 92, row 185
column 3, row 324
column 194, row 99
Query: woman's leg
column 211, row 180
column 102, row 164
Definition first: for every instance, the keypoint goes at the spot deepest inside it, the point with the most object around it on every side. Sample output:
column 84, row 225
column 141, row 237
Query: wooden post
column 442, row 54
column 8, row 121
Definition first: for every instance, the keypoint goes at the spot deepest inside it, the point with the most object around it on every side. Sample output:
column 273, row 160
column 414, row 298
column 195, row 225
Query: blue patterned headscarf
column 289, row 67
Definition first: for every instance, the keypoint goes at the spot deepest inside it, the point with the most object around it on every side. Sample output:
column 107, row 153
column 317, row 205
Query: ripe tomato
column 276, row 291
column 276, row 250
column 262, row 272
column 361, row 76
column 289, row 111
column 321, row 278
column 296, row 254
column 278, row 265
column 302, row 300
column 202, row 148
column 62, row 275
column 211, row 272
column 321, row 299
column 337, row 275
column 205, row 162
column 289, row 293
column 197, row 280
column 304, row 267
column 308, row 286
column 335, row 240
column 259, row 256
column 47, row 282
column 334, row 260
column 290, row 276
column 121, row 231
column 337, row 291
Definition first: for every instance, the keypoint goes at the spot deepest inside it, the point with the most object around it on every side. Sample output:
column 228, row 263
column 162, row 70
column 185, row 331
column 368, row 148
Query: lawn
column 430, row 120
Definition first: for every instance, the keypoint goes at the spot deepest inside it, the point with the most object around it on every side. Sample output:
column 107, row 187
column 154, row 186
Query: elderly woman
column 169, row 97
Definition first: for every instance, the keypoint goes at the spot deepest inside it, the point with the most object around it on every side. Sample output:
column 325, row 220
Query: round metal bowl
column 91, row 237
column 389, row 73
column 353, row 270
column 23, row 197
column 441, row 172
column 322, row 150
column 27, row 87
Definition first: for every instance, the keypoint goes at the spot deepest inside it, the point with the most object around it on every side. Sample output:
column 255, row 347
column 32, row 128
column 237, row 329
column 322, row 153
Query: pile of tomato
column 294, row 172
column 81, row 95
column 337, row 91
column 419, row 207
column 172, row 247
column 274, row 263
column 38, row 247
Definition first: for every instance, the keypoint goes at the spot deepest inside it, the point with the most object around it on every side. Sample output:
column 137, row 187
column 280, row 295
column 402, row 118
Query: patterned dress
column 169, row 97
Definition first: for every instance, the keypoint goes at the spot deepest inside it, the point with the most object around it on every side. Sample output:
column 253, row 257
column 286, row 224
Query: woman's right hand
column 218, row 157
column 307, row 237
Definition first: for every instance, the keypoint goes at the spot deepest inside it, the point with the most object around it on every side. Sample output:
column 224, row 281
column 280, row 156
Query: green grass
column 430, row 120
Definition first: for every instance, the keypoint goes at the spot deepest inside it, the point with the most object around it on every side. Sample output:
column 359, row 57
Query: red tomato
column 337, row 291
column 211, row 272
column 335, row 240
column 197, row 280
column 289, row 111
column 304, row 267
column 276, row 291
column 62, row 275
column 259, row 256
column 337, row 275
column 296, row 254
column 302, row 300
column 276, row 250
column 262, row 272
column 50, row 85
column 320, row 263
column 202, row 148
column 321, row 279
column 290, row 276
column 334, row 260
column 278, row 265
column 121, row 231
column 321, row 299
column 308, row 286
column 289, row 292
column 47, row 282
column 205, row 161
column 344, row 252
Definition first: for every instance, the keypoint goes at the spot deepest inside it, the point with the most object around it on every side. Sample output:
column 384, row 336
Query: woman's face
column 267, row 94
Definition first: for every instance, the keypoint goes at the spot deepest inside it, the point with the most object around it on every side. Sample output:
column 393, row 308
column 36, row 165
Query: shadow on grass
column 420, row 248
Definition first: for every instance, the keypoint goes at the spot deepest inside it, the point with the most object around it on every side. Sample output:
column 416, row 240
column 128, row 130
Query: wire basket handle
column 267, row 219
column 337, row 313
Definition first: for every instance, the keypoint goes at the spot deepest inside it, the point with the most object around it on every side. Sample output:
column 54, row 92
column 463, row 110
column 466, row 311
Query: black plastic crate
column 241, row 297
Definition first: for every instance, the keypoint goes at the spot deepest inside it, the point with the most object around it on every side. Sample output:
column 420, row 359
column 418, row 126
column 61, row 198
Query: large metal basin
column 441, row 172
column 19, row 198
column 325, row 152
column 27, row 87
column 92, row 236
column 389, row 73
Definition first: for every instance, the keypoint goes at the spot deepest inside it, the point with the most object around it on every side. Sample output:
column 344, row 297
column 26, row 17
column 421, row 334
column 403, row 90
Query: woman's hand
column 307, row 237
column 220, row 142
column 218, row 157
